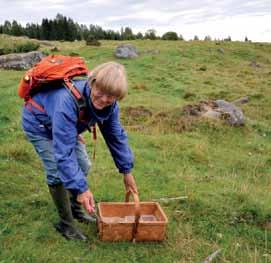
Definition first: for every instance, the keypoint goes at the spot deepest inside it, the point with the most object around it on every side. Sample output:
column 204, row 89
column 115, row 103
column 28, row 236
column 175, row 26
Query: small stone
column 221, row 50
column 219, row 235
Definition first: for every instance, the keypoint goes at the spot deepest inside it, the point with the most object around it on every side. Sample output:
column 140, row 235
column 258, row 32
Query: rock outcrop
column 217, row 109
column 20, row 61
column 126, row 51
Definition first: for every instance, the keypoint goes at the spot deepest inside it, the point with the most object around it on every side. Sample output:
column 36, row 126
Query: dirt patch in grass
column 198, row 109
column 173, row 121
column 136, row 115
column 139, row 86
column 143, row 119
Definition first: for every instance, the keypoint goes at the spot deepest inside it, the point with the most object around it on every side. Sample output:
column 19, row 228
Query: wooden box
column 138, row 221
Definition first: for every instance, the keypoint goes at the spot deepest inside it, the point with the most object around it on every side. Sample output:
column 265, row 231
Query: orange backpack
column 51, row 69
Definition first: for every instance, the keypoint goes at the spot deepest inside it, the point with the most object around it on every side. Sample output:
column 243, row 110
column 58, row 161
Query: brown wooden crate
column 113, row 227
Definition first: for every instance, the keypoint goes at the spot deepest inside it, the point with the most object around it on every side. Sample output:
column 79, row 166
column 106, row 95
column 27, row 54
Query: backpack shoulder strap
column 81, row 103
column 79, row 98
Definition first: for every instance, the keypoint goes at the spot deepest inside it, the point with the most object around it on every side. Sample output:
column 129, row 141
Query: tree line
column 63, row 28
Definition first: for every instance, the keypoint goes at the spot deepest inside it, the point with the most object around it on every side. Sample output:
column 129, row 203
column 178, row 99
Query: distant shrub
column 208, row 38
column 92, row 41
column 7, row 50
column 46, row 52
column 139, row 86
column 26, row 47
column 196, row 38
column 170, row 36
column 228, row 39
column 203, row 68
column 55, row 49
column 188, row 95
column 19, row 48
column 150, row 34
column 74, row 54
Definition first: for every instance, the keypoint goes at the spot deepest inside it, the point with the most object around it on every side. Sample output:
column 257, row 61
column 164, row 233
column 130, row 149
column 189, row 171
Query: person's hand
column 87, row 201
column 130, row 184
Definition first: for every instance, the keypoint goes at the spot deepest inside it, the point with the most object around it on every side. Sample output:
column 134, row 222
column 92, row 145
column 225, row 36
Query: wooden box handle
column 137, row 211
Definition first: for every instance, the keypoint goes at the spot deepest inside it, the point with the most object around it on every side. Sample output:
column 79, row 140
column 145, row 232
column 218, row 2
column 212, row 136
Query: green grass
column 224, row 171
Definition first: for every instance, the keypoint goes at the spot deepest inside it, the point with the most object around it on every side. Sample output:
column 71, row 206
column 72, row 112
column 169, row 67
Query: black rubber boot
column 79, row 213
column 66, row 224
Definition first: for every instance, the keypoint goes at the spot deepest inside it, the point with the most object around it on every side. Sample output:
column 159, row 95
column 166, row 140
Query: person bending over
column 55, row 132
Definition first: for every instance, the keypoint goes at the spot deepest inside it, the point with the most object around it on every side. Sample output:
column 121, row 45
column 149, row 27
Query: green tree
column 60, row 24
column 110, row 34
column 170, row 36
column 181, row 37
column 196, row 38
column 79, row 35
column 139, row 35
column 128, row 34
column 150, row 34
column 96, row 31
column 31, row 30
column 45, row 29
column 7, row 27
column 84, row 31
column 207, row 38
column 16, row 29
column 228, row 39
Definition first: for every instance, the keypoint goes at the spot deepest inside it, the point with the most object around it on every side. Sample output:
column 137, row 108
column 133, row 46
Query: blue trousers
column 45, row 150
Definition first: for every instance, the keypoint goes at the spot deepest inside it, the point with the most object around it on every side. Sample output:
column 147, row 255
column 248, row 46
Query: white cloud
column 101, row 2
column 237, row 18
column 154, row 15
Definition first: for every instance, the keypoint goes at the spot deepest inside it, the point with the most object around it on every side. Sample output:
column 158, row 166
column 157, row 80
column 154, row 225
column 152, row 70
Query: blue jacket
column 60, row 123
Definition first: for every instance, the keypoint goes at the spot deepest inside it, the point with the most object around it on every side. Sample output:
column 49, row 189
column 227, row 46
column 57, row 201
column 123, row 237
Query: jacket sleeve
column 117, row 142
column 64, row 121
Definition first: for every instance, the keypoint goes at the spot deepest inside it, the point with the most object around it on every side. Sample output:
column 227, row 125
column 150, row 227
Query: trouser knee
column 82, row 158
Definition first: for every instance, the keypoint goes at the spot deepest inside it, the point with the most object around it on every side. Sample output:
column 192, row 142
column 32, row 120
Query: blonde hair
column 110, row 78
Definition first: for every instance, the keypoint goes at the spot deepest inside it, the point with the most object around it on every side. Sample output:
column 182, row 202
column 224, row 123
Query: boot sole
column 68, row 237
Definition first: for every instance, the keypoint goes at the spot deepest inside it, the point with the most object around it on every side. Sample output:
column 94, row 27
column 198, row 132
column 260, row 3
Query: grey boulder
column 126, row 51
column 232, row 114
column 20, row 61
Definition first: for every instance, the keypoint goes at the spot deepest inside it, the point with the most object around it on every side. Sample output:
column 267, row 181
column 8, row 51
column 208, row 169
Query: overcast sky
column 217, row 18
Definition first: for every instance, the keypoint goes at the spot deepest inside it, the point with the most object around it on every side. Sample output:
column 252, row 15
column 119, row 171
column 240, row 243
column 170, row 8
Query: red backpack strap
column 80, row 100
column 94, row 136
column 92, row 129
column 30, row 102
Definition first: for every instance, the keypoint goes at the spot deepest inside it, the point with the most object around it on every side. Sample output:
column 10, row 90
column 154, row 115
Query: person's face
column 100, row 99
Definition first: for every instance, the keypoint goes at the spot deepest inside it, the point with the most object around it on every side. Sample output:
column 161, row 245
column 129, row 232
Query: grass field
column 224, row 171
